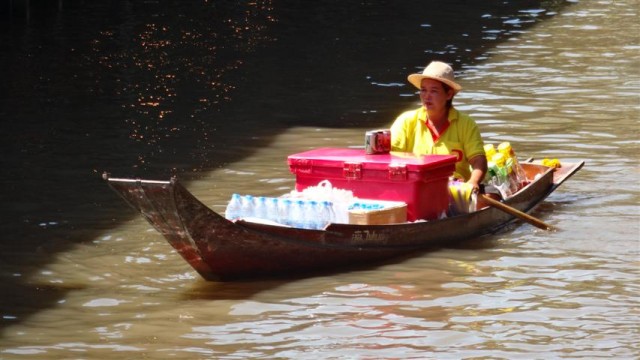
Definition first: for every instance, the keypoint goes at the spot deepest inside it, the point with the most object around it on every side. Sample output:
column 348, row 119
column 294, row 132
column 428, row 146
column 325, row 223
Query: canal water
column 219, row 93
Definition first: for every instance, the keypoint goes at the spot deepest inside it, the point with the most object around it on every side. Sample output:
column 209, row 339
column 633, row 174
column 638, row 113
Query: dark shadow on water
column 242, row 289
column 151, row 89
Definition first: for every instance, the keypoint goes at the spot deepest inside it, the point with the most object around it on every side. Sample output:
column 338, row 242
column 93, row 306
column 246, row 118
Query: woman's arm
column 479, row 169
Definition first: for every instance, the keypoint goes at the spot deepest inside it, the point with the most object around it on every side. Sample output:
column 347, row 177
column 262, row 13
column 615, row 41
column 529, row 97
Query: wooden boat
column 222, row 250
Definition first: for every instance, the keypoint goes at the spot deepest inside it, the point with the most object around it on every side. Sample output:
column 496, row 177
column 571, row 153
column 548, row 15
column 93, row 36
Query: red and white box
column 421, row 181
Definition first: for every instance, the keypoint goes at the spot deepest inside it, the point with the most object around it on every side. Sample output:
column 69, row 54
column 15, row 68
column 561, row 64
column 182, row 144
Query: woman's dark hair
column 446, row 90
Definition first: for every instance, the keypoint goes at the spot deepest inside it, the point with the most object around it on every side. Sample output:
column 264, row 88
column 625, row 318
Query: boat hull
column 220, row 250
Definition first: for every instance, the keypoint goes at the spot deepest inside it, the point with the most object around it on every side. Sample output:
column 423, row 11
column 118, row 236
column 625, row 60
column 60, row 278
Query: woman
column 438, row 128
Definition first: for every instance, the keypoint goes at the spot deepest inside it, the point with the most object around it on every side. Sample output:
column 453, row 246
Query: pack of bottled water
column 288, row 211
column 312, row 208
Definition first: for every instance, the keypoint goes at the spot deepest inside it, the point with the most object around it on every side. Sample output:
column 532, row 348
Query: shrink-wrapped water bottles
column 295, row 212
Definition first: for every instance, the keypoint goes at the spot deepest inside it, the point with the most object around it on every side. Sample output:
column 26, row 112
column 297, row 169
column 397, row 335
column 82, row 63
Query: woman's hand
column 475, row 187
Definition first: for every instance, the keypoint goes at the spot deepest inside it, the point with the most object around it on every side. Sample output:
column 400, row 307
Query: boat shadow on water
column 242, row 289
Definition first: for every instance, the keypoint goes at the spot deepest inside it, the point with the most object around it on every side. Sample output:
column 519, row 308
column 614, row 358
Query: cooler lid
column 336, row 157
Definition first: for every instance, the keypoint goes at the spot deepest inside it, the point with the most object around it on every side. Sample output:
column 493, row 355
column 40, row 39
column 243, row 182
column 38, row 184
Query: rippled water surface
column 563, row 81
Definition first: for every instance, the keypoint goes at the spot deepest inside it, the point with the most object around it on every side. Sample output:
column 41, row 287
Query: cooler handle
column 398, row 172
column 352, row 170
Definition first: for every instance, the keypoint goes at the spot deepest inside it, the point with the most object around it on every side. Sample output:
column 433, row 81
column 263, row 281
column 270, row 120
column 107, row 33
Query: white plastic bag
column 324, row 191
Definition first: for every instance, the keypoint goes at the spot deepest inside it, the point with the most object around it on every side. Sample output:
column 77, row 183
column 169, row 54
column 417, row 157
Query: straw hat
column 436, row 70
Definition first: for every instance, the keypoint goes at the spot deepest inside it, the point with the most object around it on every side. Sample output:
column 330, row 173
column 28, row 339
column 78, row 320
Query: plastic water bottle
column 284, row 211
column 247, row 209
column 272, row 209
column 327, row 215
column 260, row 207
column 312, row 215
column 307, row 220
column 233, row 207
column 296, row 215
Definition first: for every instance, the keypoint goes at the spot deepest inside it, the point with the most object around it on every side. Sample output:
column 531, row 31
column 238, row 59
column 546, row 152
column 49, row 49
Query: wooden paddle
column 517, row 213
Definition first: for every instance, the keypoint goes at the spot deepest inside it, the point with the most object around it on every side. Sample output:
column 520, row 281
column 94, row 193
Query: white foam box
column 393, row 212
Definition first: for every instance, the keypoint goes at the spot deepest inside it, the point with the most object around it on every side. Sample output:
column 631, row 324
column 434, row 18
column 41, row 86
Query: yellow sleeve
column 401, row 132
column 473, row 144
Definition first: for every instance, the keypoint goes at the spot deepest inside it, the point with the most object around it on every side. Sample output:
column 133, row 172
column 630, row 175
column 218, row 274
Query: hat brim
column 416, row 80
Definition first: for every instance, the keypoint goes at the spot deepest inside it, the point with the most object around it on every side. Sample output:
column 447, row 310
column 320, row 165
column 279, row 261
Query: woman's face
column 433, row 95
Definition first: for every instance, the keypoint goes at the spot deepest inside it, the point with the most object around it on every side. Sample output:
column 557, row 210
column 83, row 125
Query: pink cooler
column 421, row 181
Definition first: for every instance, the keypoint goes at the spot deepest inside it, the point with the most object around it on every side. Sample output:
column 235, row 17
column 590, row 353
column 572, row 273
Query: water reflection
column 165, row 67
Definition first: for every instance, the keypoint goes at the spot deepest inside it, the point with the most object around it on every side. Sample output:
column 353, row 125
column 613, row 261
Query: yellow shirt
column 409, row 133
